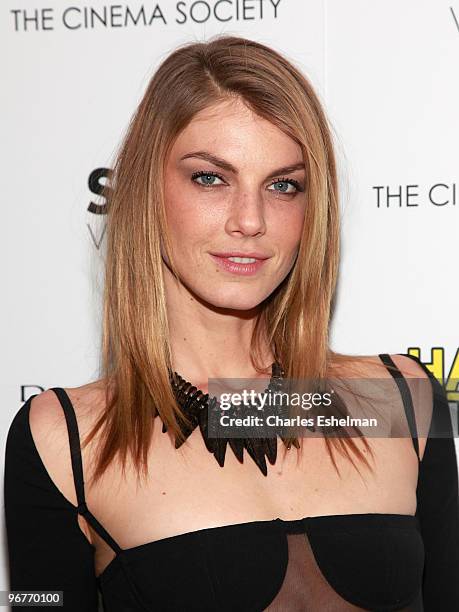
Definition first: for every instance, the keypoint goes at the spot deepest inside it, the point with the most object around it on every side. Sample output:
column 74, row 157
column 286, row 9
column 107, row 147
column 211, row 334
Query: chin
column 242, row 301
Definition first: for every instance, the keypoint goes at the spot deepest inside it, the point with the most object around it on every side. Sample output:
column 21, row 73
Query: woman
column 228, row 156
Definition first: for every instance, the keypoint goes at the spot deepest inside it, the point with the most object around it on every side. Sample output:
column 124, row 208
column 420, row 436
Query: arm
column 47, row 550
column 438, row 507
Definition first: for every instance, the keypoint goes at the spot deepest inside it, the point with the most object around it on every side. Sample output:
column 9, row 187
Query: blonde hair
column 136, row 356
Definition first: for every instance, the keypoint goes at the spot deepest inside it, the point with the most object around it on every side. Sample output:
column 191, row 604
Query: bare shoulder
column 49, row 431
column 46, row 415
column 409, row 366
column 419, row 384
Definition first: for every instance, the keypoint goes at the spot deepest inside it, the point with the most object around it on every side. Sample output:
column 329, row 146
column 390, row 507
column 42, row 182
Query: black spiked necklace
column 195, row 404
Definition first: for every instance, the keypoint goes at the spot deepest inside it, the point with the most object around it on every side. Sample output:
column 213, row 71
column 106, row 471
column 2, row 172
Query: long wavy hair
column 294, row 320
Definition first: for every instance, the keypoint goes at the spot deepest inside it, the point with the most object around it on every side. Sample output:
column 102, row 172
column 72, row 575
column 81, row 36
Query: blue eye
column 207, row 176
column 285, row 183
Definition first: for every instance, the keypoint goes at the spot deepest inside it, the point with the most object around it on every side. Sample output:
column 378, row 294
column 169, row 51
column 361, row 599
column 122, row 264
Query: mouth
column 242, row 265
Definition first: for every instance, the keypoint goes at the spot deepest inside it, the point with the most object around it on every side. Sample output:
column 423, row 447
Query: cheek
column 190, row 221
column 288, row 229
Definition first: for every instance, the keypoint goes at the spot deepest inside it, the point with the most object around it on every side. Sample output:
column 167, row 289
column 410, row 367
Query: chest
column 188, row 491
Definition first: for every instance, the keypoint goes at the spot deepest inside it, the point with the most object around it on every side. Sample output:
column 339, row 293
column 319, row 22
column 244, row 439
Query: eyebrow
column 221, row 163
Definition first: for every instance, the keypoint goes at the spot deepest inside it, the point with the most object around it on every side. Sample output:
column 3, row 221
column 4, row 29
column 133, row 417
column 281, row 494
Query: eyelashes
column 206, row 174
column 281, row 180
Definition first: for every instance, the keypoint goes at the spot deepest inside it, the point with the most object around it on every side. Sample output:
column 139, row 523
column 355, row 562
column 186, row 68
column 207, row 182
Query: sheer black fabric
column 334, row 563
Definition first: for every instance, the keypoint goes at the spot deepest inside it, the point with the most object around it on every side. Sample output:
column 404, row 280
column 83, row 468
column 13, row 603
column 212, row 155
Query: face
column 234, row 183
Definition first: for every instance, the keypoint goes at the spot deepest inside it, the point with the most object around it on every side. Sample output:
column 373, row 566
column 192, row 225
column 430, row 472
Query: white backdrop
column 387, row 74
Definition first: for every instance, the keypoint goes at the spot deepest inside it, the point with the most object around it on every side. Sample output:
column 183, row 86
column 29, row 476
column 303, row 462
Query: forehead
column 233, row 131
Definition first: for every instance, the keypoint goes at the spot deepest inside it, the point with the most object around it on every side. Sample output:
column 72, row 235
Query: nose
column 247, row 215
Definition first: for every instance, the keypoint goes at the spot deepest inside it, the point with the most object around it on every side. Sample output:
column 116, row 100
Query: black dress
column 331, row 563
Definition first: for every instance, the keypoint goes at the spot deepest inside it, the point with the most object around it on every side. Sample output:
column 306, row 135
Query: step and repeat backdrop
column 72, row 75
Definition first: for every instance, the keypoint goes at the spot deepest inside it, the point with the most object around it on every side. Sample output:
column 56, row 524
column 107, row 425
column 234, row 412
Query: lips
column 253, row 254
column 241, row 269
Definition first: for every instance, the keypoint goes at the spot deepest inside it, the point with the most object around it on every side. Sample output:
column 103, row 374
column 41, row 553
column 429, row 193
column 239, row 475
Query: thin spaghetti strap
column 406, row 397
column 77, row 467
column 441, row 425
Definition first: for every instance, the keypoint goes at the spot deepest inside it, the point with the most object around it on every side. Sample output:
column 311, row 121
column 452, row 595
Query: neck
column 210, row 342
